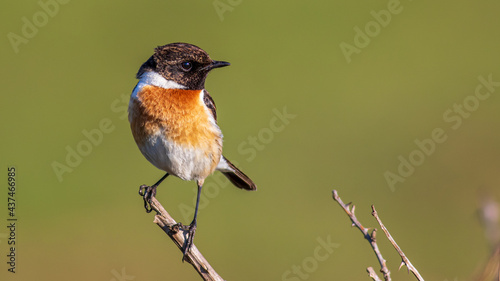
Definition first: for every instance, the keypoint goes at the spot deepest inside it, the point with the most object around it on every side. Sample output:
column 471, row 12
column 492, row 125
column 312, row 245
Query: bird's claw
column 190, row 229
column 147, row 193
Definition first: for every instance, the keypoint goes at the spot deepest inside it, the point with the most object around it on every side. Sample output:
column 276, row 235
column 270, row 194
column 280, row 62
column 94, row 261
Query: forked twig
column 405, row 260
column 370, row 237
column 194, row 257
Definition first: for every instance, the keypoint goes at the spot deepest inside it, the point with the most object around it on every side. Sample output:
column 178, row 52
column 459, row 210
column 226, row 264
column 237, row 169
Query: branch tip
column 373, row 275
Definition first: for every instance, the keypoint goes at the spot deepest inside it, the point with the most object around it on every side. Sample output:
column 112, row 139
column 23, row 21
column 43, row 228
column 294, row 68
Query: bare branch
column 371, row 238
column 194, row 257
column 373, row 274
column 405, row 260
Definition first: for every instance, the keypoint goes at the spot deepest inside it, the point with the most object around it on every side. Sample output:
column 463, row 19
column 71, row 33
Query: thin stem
column 370, row 237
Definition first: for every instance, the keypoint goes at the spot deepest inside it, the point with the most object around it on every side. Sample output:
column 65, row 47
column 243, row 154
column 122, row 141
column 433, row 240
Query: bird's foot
column 147, row 193
column 190, row 229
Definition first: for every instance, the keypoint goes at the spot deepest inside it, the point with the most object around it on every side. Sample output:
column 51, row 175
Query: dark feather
column 238, row 178
column 209, row 102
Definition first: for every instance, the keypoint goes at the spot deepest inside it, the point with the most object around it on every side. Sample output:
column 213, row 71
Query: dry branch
column 370, row 237
column 405, row 260
column 373, row 274
column 194, row 257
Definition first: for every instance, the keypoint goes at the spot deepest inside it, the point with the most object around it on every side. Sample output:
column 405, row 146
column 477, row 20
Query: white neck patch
column 154, row 79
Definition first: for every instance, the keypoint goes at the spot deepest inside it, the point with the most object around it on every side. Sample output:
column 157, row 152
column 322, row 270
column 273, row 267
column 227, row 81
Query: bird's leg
column 191, row 229
column 148, row 192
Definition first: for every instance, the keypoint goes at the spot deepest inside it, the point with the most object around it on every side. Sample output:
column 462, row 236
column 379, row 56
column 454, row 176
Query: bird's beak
column 217, row 64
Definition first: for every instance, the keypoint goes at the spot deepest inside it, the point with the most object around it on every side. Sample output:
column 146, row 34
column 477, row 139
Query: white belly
column 187, row 163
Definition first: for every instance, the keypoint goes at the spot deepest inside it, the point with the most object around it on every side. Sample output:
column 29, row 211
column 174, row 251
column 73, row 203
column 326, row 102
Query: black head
column 182, row 63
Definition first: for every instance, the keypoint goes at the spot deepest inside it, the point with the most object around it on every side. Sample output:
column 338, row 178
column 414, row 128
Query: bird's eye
column 186, row 66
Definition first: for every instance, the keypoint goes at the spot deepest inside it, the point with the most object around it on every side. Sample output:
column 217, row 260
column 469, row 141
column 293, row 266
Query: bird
column 173, row 121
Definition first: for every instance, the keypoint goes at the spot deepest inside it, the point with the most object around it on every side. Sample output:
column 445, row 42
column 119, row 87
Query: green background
column 352, row 122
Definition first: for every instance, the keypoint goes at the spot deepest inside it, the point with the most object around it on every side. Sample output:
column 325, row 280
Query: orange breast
column 180, row 113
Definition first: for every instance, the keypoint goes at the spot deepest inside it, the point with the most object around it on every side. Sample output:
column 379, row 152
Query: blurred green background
column 353, row 116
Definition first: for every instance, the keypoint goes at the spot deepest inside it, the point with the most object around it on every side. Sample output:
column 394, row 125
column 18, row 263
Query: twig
column 372, row 274
column 194, row 257
column 370, row 237
column 405, row 260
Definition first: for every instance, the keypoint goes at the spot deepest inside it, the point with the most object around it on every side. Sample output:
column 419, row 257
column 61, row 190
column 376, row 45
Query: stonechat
column 174, row 122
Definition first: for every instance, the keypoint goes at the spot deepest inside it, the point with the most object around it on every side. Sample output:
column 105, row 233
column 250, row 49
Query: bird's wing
column 209, row 102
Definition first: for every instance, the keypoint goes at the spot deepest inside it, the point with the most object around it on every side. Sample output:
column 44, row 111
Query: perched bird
column 174, row 122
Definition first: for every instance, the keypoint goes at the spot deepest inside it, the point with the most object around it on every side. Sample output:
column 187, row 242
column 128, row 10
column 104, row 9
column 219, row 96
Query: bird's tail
column 235, row 176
